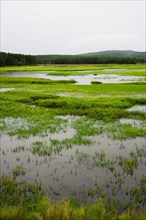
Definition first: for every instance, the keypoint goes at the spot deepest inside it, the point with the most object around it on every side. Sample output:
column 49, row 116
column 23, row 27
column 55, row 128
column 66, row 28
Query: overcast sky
column 72, row 27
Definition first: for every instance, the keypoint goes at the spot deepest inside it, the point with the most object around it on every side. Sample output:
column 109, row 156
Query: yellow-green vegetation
column 85, row 67
column 24, row 201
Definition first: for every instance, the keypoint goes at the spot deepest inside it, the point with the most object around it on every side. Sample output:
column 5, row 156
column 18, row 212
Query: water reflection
column 81, row 80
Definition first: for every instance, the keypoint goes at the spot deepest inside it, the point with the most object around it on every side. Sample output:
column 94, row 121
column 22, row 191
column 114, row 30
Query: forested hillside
column 118, row 57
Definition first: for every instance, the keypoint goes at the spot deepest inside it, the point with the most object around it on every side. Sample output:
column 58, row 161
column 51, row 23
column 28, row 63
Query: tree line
column 10, row 59
column 85, row 59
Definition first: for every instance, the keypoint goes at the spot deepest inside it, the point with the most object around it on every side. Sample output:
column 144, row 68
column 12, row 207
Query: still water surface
column 81, row 80
column 74, row 171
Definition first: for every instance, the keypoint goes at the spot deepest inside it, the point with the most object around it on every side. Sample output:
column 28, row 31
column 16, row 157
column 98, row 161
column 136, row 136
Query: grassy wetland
column 73, row 150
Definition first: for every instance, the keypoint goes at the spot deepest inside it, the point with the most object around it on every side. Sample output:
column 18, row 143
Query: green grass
column 18, row 104
column 71, row 67
column 46, row 85
column 25, row 80
column 70, row 105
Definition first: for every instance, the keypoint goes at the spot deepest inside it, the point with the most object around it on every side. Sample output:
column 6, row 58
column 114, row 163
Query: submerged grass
column 24, row 201
column 56, row 146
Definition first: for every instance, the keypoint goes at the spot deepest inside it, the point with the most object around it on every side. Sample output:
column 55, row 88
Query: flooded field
column 80, row 79
column 78, row 144
column 65, row 163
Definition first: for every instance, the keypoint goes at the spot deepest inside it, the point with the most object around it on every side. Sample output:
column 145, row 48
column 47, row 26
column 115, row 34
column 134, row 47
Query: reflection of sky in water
column 141, row 108
column 82, row 80
column 6, row 89
column 62, row 172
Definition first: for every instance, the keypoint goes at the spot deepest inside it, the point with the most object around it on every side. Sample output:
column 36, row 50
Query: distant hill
column 119, row 53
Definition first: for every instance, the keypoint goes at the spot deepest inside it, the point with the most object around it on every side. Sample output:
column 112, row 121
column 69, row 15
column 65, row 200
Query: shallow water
column 74, row 171
column 141, row 108
column 112, row 69
column 6, row 89
column 64, row 174
column 81, row 80
column 133, row 122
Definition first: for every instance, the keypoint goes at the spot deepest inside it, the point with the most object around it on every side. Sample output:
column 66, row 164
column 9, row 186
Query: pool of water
column 114, row 69
column 141, row 108
column 133, row 122
column 81, row 170
column 6, row 89
column 81, row 80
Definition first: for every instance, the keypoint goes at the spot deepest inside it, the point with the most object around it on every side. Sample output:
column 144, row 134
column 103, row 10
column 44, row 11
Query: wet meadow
column 73, row 142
